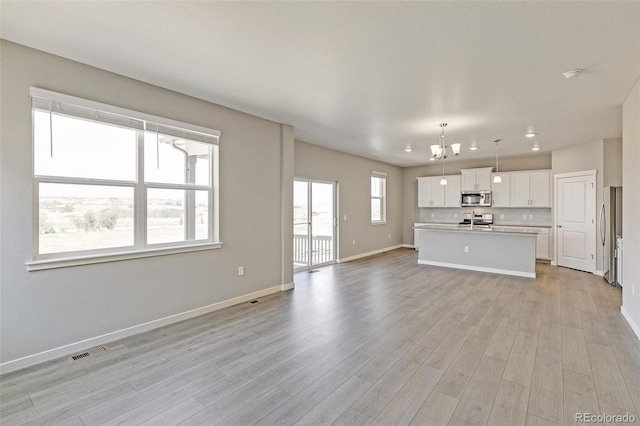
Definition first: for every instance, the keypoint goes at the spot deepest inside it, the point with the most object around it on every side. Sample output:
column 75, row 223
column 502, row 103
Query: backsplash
column 508, row 216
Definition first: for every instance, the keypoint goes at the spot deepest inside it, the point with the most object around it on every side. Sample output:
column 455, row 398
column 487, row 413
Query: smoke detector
column 572, row 73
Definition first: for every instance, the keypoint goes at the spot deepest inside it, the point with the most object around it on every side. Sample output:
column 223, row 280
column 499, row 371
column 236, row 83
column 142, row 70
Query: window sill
column 39, row 265
column 379, row 223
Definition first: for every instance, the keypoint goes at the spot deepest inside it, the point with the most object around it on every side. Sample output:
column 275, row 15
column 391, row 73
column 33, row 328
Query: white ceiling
column 368, row 78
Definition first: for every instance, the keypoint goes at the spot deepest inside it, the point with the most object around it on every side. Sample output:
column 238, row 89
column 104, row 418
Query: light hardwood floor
column 376, row 341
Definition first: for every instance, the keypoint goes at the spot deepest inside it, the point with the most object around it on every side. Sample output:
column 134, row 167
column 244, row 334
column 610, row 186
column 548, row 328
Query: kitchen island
column 487, row 249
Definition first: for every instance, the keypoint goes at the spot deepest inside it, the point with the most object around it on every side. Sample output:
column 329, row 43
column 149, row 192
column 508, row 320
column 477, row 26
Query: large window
column 112, row 181
column 378, row 197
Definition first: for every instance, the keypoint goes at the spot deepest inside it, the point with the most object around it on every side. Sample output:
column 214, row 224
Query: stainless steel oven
column 475, row 198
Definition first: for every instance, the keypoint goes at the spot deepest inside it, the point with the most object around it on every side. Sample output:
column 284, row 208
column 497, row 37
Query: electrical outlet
column 354, row 241
column 432, row 214
column 502, row 216
column 240, row 271
column 524, row 216
column 455, row 215
column 389, row 235
column 466, row 249
column 345, row 217
column 530, row 217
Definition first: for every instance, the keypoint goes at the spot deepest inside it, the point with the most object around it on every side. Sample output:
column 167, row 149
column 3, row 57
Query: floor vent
column 313, row 270
column 253, row 302
column 89, row 353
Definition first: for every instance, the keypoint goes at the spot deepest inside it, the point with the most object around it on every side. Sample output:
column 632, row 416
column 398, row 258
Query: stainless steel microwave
column 475, row 198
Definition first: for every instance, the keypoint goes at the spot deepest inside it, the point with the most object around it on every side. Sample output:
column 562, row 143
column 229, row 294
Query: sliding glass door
column 314, row 223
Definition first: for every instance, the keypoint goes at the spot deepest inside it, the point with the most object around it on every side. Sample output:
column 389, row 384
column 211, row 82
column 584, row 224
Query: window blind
column 58, row 103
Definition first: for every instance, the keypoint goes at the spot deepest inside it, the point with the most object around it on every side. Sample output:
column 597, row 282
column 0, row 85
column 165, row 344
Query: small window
column 378, row 197
column 108, row 180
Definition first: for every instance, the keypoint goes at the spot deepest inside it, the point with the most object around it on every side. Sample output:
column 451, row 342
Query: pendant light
column 443, row 181
column 497, row 178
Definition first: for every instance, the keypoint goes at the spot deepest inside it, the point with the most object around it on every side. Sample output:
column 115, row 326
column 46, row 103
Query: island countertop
column 492, row 228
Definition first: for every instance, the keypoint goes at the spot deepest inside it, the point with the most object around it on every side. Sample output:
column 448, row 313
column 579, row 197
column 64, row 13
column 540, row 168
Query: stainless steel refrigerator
column 610, row 228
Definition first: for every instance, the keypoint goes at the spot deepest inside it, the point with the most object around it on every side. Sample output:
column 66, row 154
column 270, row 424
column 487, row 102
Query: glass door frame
column 310, row 264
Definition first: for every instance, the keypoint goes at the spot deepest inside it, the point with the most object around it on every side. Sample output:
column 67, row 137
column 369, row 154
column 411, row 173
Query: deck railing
column 321, row 250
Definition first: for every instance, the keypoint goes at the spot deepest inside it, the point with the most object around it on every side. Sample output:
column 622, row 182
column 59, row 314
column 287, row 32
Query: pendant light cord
column 497, row 168
column 50, row 131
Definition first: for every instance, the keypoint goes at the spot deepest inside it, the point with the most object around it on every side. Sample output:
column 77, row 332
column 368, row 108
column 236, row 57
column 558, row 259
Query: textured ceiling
column 368, row 78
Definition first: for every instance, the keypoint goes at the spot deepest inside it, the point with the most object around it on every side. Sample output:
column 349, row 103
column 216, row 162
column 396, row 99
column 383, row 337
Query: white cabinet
column 531, row 189
column 452, row 191
column 500, row 192
column 540, row 189
column 520, row 189
column 476, row 179
column 543, row 246
column 432, row 194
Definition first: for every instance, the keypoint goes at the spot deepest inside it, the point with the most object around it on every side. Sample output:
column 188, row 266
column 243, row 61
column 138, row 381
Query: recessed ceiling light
column 572, row 73
column 530, row 134
column 473, row 147
column 535, row 148
column 408, row 149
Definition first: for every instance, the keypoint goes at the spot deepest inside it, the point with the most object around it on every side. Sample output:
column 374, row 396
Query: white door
column 314, row 225
column 575, row 220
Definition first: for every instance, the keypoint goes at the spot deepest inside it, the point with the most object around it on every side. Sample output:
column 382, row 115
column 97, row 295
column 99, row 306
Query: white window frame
column 382, row 198
column 142, row 123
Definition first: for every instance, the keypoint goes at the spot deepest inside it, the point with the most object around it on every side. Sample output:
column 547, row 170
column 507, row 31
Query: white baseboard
column 630, row 320
column 479, row 269
column 598, row 273
column 83, row 345
column 554, row 263
column 285, row 287
column 371, row 253
column 408, row 246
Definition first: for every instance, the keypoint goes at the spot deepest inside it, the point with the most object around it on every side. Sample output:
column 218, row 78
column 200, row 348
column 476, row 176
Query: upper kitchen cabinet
column 476, row 179
column 452, row 191
column 432, row 194
column 531, row 189
column 500, row 192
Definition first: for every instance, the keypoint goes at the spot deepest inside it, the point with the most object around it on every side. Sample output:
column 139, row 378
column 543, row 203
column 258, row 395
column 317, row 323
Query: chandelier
column 442, row 151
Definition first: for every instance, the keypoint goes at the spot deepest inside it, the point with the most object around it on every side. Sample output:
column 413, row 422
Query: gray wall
column 353, row 175
column 612, row 160
column 43, row 310
column 411, row 212
column 631, row 206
